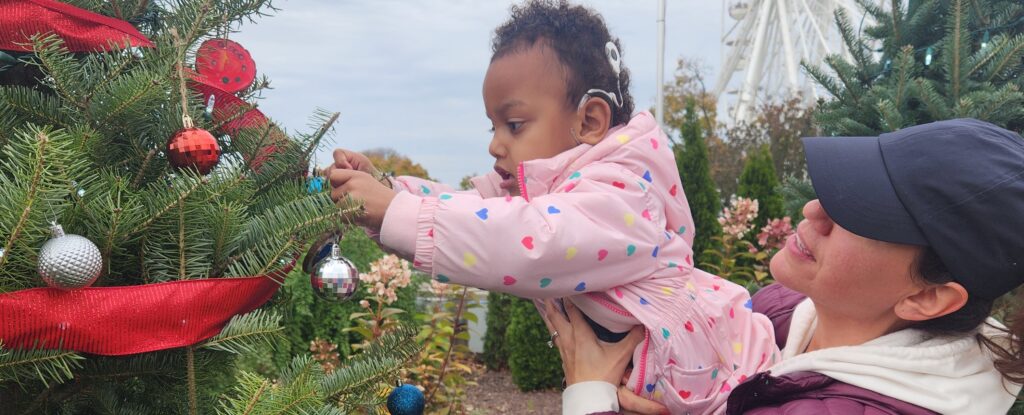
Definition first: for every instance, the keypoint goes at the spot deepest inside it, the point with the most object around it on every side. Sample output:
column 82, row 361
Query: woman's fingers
column 631, row 403
column 581, row 329
column 558, row 324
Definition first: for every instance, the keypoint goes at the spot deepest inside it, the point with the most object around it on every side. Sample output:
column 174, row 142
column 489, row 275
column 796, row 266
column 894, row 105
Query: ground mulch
column 495, row 393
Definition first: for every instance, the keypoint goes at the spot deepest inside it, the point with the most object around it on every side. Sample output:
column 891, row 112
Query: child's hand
column 347, row 159
column 359, row 185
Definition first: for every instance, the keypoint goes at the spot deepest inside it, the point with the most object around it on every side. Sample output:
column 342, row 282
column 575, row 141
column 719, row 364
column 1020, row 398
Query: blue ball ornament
column 406, row 400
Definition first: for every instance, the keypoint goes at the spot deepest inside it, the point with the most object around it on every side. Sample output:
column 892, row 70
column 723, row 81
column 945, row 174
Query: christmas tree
column 128, row 123
column 924, row 61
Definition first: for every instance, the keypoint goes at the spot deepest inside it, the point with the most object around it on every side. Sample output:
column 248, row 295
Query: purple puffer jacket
column 804, row 392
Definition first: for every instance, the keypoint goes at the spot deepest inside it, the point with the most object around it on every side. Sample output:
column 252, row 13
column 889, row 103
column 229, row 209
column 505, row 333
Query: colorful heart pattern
column 527, row 242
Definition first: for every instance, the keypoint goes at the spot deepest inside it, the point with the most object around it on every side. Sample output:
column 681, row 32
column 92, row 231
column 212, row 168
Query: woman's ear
column 596, row 120
column 932, row 301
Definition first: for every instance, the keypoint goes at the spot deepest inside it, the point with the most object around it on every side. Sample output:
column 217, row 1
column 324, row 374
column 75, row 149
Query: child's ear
column 596, row 120
column 932, row 301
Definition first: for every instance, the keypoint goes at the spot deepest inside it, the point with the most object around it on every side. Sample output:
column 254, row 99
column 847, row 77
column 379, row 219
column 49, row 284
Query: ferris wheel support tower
column 767, row 42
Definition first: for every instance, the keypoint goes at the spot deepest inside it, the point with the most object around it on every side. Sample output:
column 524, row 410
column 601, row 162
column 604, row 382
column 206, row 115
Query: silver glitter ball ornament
column 69, row 262
column 335, row 277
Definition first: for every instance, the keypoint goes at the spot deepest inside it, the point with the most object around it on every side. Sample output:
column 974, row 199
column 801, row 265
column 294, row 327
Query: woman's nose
column 817, row 217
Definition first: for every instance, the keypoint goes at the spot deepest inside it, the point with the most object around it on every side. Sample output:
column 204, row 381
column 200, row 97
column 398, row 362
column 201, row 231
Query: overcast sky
column 407, row 74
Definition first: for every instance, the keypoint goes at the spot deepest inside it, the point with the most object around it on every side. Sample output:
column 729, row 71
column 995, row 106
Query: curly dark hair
column 578, row 36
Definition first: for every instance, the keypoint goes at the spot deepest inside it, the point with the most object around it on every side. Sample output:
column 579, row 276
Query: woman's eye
column 514, row 125
column 491, row 130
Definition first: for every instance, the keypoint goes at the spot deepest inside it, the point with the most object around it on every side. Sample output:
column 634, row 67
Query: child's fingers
column 341, row 159
column 631, row 403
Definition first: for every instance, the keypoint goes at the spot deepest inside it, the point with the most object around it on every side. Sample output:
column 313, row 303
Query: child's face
column 525, row 98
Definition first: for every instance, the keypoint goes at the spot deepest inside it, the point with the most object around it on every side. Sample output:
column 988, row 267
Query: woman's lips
column 797, row 248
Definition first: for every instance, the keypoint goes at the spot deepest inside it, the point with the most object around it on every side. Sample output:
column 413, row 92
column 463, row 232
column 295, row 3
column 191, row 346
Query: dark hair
column 1008, row 350
column 578, row 36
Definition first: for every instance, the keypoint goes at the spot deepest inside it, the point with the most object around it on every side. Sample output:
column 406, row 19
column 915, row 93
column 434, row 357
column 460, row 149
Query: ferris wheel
column 767, row 41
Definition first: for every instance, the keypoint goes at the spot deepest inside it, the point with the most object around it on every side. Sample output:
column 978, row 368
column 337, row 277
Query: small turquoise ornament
column 315, row 185
column 928, row 56
column 406, row 400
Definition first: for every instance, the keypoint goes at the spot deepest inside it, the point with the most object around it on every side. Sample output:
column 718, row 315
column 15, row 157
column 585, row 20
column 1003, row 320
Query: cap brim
column 853, row 186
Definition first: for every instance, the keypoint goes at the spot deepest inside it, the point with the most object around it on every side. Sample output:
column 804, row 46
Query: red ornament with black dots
column 193, row 148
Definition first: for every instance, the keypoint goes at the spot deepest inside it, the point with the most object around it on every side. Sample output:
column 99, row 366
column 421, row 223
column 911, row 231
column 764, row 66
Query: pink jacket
column 609, row 227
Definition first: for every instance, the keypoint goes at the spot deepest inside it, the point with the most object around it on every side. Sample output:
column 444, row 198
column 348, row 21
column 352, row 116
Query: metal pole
column 660, row 107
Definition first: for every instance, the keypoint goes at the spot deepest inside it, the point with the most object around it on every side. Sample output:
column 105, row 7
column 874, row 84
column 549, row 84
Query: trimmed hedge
column 499, row 307
column 534, row 365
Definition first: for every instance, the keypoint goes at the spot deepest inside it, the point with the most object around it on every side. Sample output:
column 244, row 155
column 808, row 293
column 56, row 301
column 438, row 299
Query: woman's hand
column 584, row 358
column 360, row 186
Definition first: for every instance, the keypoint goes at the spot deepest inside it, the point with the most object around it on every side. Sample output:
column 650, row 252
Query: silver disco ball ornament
column 69, row 262
column 335, row 277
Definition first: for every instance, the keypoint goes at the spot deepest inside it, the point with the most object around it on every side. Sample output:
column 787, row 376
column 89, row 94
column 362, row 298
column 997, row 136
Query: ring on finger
column 551, row 343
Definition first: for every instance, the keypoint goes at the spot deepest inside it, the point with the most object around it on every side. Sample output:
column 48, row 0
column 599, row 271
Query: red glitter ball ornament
column 193, row 148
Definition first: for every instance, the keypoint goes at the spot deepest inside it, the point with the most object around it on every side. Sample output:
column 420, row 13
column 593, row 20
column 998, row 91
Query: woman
column 886, row 288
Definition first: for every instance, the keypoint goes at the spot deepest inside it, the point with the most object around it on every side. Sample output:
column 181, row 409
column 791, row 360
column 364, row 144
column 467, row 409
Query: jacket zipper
column 521, row 179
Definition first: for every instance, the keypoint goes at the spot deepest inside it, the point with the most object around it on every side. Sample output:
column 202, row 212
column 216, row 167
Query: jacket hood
column 543, row 176
column 945, row 374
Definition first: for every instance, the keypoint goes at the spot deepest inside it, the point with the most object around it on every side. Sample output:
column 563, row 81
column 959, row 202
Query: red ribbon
column 116, row 321
column 82, row 30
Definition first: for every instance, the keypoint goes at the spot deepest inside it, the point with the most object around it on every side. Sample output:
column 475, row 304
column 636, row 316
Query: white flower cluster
column 386, row 276
column 738, row 218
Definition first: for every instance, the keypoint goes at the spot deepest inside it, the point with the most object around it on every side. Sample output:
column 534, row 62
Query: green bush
column 307, row 317
column 534, row 365
column 695, row 172
column 495, row 354
column 760, row 182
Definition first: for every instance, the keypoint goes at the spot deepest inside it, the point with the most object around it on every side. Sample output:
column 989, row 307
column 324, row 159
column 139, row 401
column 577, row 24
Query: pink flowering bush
column 738, row 218
column 386, row 276
column 739, row 260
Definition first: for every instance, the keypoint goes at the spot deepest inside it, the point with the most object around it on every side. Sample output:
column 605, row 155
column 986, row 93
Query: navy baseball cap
column 956, row 186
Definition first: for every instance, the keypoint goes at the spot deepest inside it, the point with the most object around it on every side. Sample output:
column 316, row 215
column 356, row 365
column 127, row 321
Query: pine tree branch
column 42, row 107
column 955, row 46
column 182, row 274
column 58, row 62
column 159, row 214
column 145, row 164
column 191, row 369
column 33, row 188
column 245, row 332
column 44, row 365
column 1010, row 57
column 256, row 397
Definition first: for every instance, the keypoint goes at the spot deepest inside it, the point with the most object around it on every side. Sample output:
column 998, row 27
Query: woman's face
column 844, row 273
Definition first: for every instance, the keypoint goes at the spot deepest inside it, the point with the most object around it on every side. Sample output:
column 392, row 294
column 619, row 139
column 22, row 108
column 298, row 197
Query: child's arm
column 592, row 238
column 420, row 187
